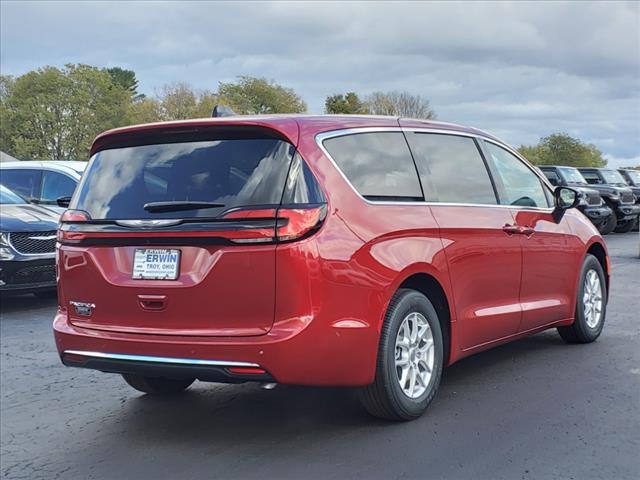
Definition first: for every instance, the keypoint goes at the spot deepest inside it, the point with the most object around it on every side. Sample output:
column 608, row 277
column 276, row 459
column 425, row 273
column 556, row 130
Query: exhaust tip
column 268, row 386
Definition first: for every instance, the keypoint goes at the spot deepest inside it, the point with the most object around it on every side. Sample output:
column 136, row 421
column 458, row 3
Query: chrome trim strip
column 168, row 360
column 321, row 137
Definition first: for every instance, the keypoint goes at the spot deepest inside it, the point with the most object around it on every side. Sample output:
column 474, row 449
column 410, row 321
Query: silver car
column 42, row 182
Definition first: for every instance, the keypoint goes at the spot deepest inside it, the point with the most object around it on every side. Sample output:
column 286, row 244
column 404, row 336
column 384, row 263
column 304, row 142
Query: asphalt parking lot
column 534, row 409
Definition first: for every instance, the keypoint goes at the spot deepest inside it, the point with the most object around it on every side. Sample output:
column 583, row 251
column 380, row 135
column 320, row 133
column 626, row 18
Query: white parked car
column 42, row 182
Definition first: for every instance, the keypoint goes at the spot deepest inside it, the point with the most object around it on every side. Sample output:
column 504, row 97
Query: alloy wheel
column 592, row 299
column 414, row 355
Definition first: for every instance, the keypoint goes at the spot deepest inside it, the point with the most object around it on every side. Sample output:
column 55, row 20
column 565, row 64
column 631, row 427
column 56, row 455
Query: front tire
column 591, row 304
column 609, row 225
column 157, row 385
column 410, row 359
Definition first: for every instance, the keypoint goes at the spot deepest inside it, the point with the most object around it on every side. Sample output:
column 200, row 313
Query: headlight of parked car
column 6, row 252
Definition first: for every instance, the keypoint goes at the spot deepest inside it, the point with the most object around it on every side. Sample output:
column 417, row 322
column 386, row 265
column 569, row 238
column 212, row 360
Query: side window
column 56, row 185
column 451, row 168
column 23, row 181
column 591, row 177
column 553, row 177
column 378, row 165
column 301, row 187
column 516, row 182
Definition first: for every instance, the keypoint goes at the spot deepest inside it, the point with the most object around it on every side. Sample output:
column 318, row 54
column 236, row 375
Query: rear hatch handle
column 153, row 303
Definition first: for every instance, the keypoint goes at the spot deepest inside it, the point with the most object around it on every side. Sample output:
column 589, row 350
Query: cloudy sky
column 518, row 70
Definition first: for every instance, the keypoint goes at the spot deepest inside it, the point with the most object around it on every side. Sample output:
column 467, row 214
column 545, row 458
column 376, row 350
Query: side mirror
column 565, row 198
column 63, row 202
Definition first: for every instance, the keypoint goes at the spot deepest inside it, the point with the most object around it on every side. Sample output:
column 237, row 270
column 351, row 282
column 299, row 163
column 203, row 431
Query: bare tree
column 401, row 104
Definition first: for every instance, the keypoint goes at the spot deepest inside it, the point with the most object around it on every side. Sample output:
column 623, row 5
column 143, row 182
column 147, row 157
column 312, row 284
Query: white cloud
column 521, row 70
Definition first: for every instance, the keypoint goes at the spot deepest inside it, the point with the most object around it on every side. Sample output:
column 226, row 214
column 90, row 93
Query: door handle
column 153, row 302
column 511, row 229
column 518, row 229
column 528, row 231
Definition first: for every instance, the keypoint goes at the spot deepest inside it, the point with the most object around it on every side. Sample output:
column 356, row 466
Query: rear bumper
column 300, row 351
column 205, row 370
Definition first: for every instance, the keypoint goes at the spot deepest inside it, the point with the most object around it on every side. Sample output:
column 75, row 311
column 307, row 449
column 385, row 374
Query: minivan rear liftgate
column 179, row 237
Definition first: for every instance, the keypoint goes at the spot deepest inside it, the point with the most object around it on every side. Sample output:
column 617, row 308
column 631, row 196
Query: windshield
column 634, row 175
column 613, row 176
column 223, row 173
column 8, row 197
column 572, row 175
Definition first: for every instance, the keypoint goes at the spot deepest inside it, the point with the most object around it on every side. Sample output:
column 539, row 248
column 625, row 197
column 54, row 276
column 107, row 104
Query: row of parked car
column 610, row 198
column 33, row 195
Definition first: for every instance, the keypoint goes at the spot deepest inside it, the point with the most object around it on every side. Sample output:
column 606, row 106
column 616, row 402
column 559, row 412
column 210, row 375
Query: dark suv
column 616, row 193
column 632, row 177
column 591, row 203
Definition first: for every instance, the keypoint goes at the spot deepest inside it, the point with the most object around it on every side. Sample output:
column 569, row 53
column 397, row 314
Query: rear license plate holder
column 156, row 264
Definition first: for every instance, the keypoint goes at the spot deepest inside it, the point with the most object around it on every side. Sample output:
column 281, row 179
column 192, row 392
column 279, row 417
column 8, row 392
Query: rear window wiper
column 179, row 206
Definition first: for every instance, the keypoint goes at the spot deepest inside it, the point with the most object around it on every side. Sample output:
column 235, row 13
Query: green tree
column 7, row 83
column 255, row 96
column 53, row 113
column 144, row 110
column 126, row 79
column 399, row 104
column 178, row 101
column 348, row 103
column 562, row 149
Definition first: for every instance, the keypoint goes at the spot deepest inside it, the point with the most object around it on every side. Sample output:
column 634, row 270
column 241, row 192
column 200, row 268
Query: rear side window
column 23, row 181
column 591, row 177
column 56, row 185
column 231, row 172
column 516, row 182
column 302, row 187
column 451, row 168
column 378, row 165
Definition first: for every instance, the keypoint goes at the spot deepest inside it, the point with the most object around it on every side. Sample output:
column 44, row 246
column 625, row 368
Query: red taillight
column 260, row 225
column 247, row 370
column 297, row 222
column 74, row 216
column 300, row 221
column 261, row 213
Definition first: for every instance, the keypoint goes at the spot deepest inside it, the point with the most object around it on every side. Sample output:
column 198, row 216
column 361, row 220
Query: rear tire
column 157, row 385
column 417, row 359
column 589, row 314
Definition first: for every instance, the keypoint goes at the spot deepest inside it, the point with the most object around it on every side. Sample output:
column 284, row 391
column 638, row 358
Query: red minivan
column 317, row 250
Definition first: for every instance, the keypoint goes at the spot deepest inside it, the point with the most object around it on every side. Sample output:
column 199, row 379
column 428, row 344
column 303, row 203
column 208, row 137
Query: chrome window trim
column 167, row 360
column 321, row 137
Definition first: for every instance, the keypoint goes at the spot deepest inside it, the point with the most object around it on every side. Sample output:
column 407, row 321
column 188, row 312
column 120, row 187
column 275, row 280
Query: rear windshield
column 235, row 173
